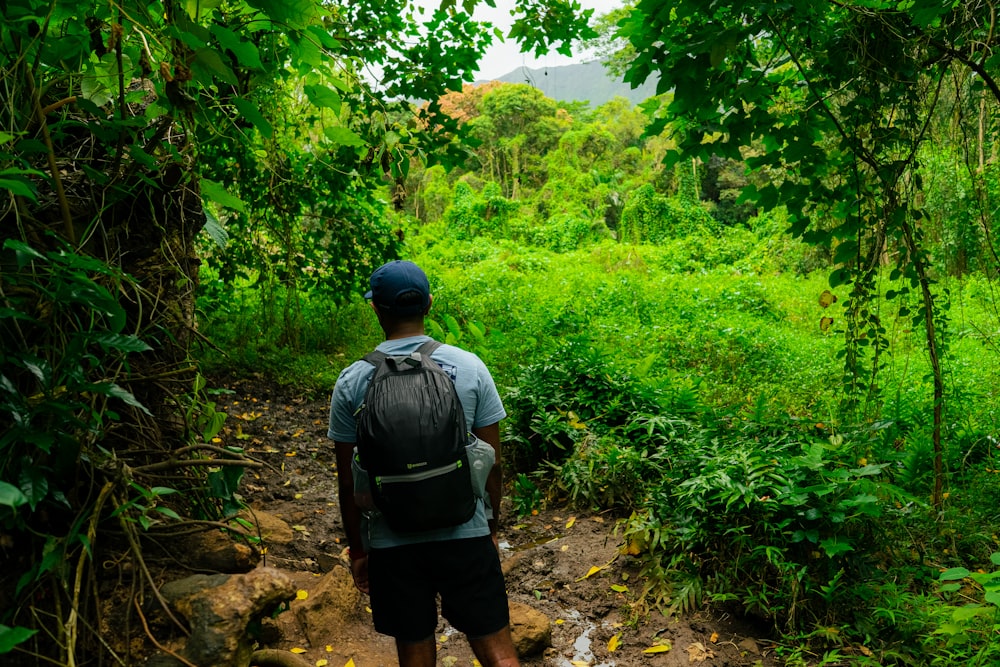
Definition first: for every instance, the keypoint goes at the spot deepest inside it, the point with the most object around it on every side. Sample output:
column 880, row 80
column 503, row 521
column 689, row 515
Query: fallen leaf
column 714, row 638
column 591, row 572
column 322, row 662
column 657, row 648
column 443, row 638
column 289, row 453
column 569, row 524
column 598, row 519
column 564, row 547
column 449, row 661
column 297, row 650
column 580, row 663
column 618, row 588
column 329, row 648
column 301, row 529
column 349, row 663
column 614, row 643
column 698, row 653
column 298, row 496
column 301, row 594
column 560, row 621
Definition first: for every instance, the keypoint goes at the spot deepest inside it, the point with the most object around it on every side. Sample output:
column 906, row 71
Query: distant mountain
column 589, row 82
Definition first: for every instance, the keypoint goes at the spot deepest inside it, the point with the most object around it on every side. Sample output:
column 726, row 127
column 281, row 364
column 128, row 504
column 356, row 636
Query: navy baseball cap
column 395, row 280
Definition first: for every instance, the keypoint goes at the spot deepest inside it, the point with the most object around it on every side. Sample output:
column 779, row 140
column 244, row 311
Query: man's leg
column 418, row 654
column 496, row 650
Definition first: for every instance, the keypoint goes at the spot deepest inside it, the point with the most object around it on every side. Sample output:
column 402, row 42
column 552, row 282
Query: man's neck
column 406, row 332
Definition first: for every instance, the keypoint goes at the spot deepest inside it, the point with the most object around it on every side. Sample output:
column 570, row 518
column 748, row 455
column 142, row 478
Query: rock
column 268, row 527
column 333, row 602
column 215, row 550
column 218, row 609
column 530, row 629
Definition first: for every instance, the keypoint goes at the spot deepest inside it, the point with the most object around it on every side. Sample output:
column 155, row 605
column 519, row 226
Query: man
column 405, row 572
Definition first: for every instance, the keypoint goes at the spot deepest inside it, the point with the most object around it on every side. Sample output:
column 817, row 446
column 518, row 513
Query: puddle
column 582, row 652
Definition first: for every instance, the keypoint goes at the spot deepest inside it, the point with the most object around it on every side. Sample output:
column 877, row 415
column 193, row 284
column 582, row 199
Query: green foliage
column 652, row 218
column 768, row 517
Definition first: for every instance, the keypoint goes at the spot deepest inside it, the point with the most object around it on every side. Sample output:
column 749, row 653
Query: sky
column 502, row 58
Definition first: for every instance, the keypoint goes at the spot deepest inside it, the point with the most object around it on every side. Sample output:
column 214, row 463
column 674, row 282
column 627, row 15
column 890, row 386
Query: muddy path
column 566, row 564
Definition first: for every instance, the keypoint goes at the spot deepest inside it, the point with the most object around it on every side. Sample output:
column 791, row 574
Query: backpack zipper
column 419, row 476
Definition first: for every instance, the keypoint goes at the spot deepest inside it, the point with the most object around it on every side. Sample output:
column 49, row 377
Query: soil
column 567, row 564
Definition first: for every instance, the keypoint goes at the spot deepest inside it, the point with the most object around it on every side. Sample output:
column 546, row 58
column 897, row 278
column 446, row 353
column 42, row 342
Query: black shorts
column 404, row 583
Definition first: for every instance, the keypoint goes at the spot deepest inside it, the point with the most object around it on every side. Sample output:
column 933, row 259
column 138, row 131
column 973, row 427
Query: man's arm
column 350, row 515
column 494, row 482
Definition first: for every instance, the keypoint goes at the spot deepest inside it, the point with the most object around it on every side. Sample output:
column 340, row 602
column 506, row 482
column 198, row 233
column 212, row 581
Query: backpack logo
column 412, row 441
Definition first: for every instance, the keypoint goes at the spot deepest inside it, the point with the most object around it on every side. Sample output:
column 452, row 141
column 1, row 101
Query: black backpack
column 411, row 441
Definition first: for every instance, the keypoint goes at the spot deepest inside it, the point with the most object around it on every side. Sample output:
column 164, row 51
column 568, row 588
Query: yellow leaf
column 349, row 663
column 216, row 440
column 825, row 323
column 301, row 594
column 322, row 663
column 329, row 648
column 714, row 638
column 564, row 547
column 592, row 571
column 657, row 648
column 298, row 496
column 559, row 621
column 618, row 588
column 443, row 638
column 297, row 650
column 289, row 453
column 569, row 524
column 580, row 663
column 827, row 298
column 614, row 643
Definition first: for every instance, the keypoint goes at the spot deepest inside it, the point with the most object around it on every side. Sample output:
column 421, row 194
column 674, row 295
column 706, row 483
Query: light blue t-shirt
column 480, row 401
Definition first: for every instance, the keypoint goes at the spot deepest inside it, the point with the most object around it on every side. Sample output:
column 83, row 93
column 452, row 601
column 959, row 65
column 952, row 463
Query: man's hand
column 359, row 569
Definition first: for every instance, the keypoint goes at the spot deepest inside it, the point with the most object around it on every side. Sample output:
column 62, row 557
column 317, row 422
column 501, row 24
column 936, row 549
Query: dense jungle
column 746, row 331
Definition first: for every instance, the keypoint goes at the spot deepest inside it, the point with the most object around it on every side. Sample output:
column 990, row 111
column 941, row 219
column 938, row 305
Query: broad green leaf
column 291, row 13
column 323, row 96
column 834, row 546
column 246, row 52
column 953, row 574
column 969, row 611
column 34, row 484
column 116, row 391
column 250, row 111
column 209, row 65
column 11, row 496
column 343, row 136
column 19, row 187
column 24, row 253
column 11, row 637
column 215, row 192
column 121, row 342
column 215, row 230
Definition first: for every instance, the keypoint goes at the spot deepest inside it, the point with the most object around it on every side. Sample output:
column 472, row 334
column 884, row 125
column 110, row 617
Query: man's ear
column 430, row 302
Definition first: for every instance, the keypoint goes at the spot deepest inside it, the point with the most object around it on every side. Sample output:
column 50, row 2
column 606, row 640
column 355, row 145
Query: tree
column 841, row 95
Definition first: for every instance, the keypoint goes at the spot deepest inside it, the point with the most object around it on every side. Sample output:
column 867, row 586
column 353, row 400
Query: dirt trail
column 565, row 564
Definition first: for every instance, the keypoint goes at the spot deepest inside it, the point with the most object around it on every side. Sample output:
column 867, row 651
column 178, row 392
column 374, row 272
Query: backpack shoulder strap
column 429, row 347
column 374, row 357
